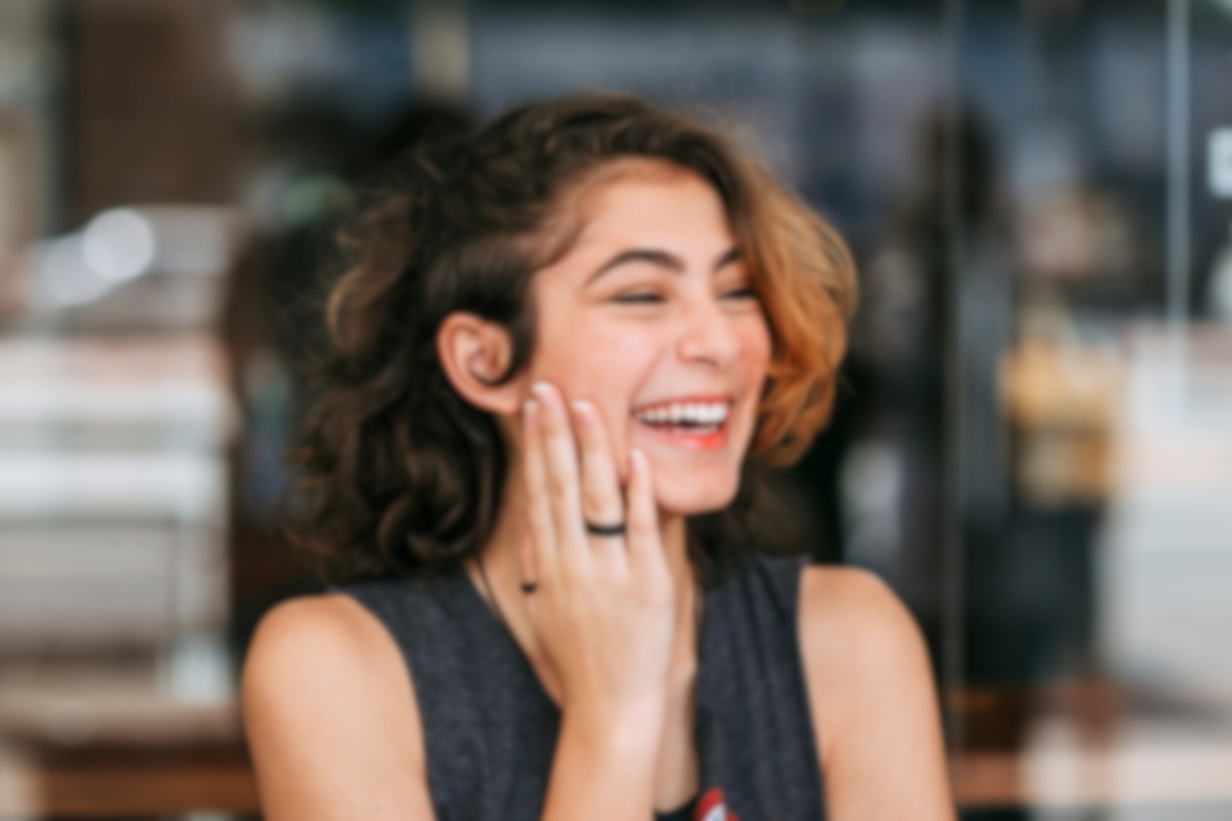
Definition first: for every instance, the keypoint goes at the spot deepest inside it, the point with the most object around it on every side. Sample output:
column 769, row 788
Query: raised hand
column 602, row 605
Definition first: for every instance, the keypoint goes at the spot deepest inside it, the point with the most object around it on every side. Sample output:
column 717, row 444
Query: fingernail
column 541, row 388
column 530, row 406
column 584, row 413
column 637, row 461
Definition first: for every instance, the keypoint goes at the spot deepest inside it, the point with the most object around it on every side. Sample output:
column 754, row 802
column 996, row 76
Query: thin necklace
column 491, row 596
column 698, row 599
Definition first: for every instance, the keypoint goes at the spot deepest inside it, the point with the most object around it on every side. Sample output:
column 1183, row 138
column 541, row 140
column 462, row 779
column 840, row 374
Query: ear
column 474, row 352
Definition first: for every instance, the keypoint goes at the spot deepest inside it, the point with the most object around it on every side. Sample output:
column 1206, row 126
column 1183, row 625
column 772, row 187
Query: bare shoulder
column 871, row 694
column 317, row 655
column 330, row 715
column 858, row 640
column 298, row 625
column 312, row 634
column 850, row 615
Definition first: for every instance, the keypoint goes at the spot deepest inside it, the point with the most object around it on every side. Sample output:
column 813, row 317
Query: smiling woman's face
column 650, row 317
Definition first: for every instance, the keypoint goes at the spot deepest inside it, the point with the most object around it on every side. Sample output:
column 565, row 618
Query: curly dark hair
column 396, row 473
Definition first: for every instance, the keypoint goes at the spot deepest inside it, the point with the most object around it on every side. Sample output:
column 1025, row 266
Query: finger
column 561, row 470
column 526, row 561
column 538, row 506
column 600, row 491
column 642, row 529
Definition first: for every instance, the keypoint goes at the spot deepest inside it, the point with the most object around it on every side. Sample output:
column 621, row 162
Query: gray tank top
column 490, row 729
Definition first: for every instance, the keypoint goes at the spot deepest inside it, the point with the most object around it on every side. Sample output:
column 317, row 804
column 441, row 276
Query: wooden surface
column 110, row 790
column 102, row 790
column 123, row 753
column 115, row 789
column 107, row 741
column 123, row 792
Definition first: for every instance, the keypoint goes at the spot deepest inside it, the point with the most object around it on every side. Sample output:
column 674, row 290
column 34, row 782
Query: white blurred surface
column 113, row 491
column 1166, row 557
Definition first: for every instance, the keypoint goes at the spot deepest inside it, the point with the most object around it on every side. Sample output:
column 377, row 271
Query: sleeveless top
column 490, row 729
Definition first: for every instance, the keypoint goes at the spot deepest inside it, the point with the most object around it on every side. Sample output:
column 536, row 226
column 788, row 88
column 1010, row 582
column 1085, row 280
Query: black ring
column 529, row 587
column 617, row 529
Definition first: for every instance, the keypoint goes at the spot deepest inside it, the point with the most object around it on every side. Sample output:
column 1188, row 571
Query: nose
column 709, row 336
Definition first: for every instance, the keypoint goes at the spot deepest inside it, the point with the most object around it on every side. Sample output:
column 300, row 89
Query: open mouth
column 697, row 418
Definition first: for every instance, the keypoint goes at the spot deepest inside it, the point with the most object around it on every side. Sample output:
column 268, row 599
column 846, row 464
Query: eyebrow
column 659, row 258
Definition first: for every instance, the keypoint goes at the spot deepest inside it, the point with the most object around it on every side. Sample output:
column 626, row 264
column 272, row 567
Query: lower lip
column 683, row 437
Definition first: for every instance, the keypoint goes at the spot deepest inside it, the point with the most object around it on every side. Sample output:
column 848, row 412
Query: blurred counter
column 113, row 493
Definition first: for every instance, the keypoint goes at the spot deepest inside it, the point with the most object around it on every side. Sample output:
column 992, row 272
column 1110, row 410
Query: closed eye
column 740, row 293
column 638, row 298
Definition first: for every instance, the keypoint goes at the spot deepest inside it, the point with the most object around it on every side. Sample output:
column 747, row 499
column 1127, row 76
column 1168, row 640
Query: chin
column 684, row 498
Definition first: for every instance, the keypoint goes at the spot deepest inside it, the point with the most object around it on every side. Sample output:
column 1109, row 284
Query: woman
column 558, row 343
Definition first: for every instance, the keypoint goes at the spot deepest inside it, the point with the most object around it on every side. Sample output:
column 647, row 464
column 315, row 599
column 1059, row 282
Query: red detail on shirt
column 712, row 807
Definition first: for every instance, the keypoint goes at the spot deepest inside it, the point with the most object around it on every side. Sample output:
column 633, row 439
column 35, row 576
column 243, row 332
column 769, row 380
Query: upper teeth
column 696, row 413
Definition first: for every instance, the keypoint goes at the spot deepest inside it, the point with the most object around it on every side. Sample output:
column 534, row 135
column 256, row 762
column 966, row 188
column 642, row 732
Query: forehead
column 646, row 201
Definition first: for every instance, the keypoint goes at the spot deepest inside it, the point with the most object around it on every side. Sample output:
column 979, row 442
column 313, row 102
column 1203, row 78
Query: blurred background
column 1033, row 443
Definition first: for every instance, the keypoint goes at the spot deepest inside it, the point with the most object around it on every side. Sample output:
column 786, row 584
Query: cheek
column 602, row 362
column 756, row 347
column 594, row 356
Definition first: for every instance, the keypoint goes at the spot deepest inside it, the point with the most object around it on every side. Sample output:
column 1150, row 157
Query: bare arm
column 874, row 707
column 332, row 724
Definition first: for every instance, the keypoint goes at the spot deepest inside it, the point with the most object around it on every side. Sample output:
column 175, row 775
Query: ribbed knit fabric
column 490, row 729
